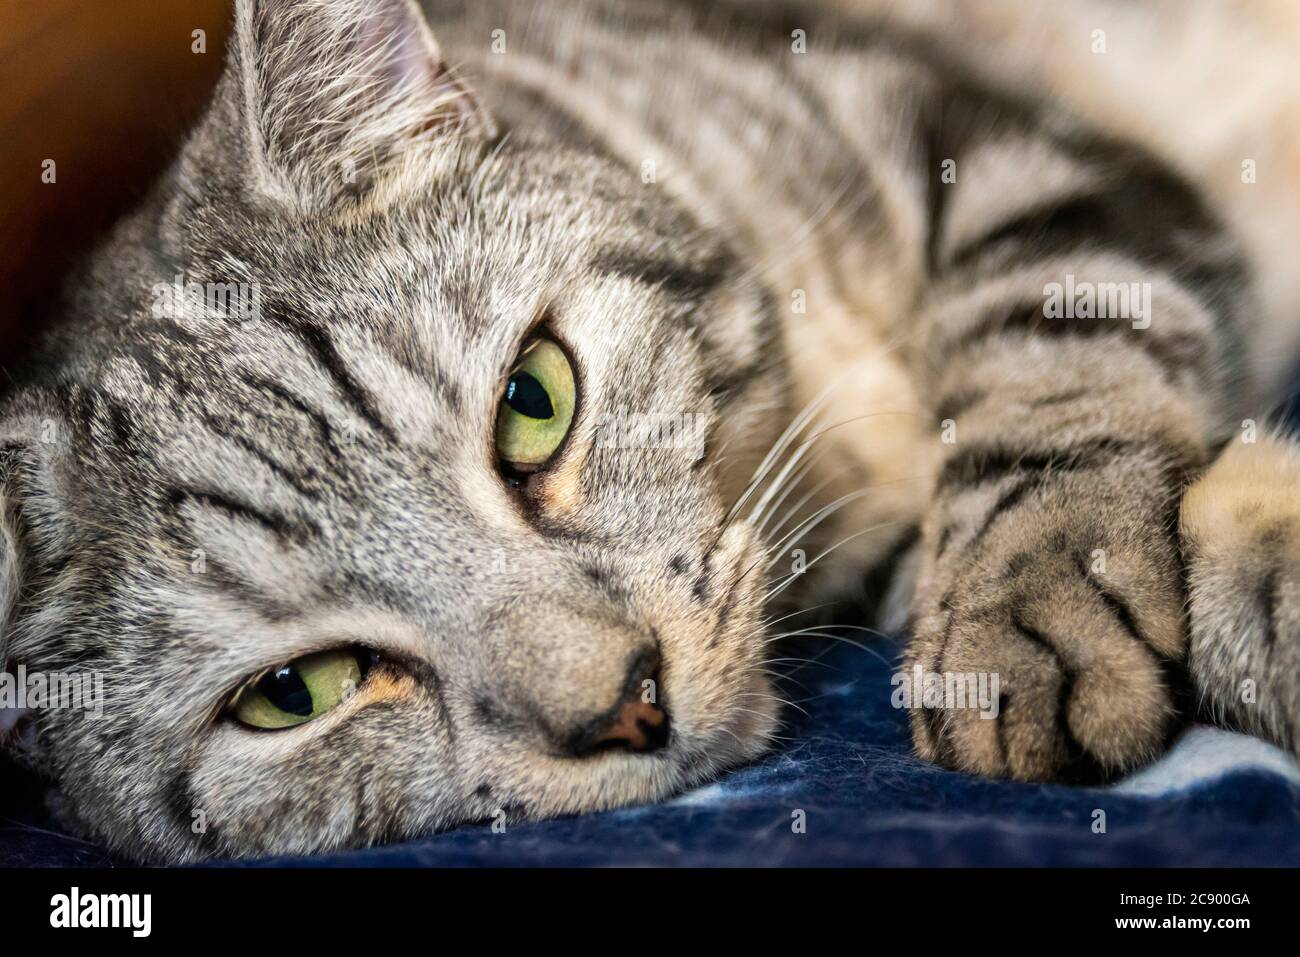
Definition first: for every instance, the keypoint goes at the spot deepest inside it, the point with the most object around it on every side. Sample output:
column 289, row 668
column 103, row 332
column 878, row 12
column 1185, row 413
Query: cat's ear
column 328, row 93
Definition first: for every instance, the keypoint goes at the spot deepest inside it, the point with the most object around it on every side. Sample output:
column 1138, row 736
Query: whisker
column 853, row 644
column 871, row 631
column 782, row 478
column 775, row 553
column 801, row 611
column 778, row 448
column 843, row 541
column 794, row 510
column 759, row 518
column 807, row 444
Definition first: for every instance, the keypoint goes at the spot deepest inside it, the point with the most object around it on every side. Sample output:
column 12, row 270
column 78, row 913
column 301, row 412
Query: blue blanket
column 848, row 778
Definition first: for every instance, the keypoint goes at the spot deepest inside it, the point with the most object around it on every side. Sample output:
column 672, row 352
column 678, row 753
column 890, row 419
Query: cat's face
column 576, row 628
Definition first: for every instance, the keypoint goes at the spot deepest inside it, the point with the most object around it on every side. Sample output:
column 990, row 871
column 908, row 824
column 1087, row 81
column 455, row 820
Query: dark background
column 106, row 89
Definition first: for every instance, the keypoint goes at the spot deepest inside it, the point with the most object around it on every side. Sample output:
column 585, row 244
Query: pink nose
column 638, row 726
column 633, row 724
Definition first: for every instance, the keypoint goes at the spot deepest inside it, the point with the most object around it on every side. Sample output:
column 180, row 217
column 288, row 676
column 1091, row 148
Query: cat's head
column 445, row 418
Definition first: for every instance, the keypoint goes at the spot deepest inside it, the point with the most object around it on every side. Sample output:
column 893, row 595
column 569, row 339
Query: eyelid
column 530, row 344
column 540, row 328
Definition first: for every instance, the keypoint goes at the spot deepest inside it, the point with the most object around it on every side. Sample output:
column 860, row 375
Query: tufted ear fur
column 325, row 94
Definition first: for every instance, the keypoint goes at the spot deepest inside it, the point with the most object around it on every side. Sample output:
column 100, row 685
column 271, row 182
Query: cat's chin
column 756, row 726
column 745, row 731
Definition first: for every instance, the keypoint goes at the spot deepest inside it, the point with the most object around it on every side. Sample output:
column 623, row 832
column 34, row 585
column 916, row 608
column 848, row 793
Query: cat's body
column 739, row 217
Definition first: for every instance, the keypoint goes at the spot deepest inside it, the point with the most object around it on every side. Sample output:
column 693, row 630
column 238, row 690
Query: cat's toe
column 1074, row 690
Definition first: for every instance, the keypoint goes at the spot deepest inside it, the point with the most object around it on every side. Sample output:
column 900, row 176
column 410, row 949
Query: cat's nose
column 636, row 722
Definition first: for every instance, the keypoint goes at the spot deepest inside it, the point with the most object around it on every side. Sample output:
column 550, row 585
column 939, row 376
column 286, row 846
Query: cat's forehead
column 475, row 245
column 463, row 257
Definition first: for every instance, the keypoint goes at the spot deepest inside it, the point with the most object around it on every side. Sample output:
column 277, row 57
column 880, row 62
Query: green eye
column 299, row 691
column 537, row 407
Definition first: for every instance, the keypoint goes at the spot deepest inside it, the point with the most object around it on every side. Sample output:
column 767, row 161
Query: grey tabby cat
column 363, row 561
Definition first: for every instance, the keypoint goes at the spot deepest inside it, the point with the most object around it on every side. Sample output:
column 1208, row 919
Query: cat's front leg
column 1080, row 340
column 1052, row 577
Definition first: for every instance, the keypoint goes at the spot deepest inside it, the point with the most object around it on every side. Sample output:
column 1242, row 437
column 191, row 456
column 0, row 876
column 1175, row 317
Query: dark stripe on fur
column 296, row 402
column 297, row 481
column 1067, row 680
column 1143, row 213
column 962, row 400
column 1268, row 605
column 955, row 403
column 692, row 281
column 323, row 350
column 980, row 464
column 1008, row 500
column 953, row 120
column 1172, row 351
column 277, row 524
column 1117, row 606
column 231, row 581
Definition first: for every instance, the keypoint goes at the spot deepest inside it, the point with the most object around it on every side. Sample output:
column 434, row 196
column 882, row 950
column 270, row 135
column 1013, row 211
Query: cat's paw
column 1241, row 537
column 1072, row 618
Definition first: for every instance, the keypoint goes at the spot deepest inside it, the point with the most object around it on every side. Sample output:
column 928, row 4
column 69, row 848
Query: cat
column 432, row 444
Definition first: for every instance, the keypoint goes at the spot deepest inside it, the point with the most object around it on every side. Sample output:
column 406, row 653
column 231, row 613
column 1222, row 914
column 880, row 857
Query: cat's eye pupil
column 528, row 397
column 535, row 411
column 285, row 689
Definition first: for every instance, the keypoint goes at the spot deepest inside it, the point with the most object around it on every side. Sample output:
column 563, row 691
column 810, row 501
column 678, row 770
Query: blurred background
column 1205, row 84
column 106, row 89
